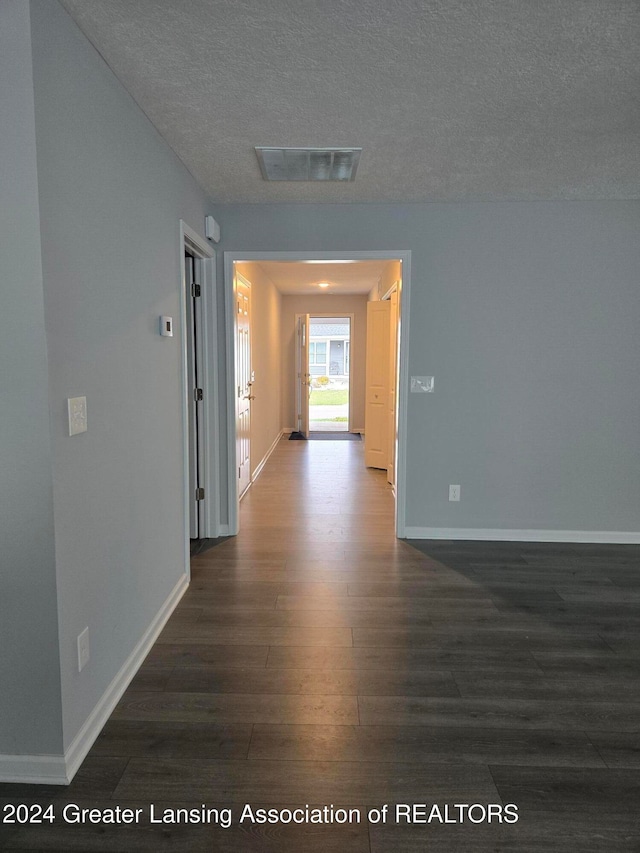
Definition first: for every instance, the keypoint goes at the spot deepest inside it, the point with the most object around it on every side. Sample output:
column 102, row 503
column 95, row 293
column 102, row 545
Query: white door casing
column 244, row 381
column 376, row 414
column 195, row 395
column 393, row 386
column 190, row 242
column 230, row 523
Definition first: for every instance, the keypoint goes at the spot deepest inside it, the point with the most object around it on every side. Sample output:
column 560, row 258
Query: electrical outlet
column 83, row 649
column 454, row 493
column 77, row 411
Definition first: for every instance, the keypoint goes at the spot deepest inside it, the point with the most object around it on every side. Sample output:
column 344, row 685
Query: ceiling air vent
column 308, row 164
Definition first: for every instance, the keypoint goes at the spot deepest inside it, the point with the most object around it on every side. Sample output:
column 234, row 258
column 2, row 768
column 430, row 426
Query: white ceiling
column 344, row 279
column 449, row 99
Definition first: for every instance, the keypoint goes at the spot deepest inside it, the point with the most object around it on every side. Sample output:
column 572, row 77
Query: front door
column 244, row 381
column 303, row 377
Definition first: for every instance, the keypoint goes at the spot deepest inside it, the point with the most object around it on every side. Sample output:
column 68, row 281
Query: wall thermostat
column 166, row 327
column 422, row 384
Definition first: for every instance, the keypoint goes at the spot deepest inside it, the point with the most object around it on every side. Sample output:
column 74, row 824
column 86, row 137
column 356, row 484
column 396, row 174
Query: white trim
column 612, row 537
column 403, row 398
column 60, row 770
column 265, row 458
column 404, row 255
column 211, row 504
column 33, row 769
column 233, row 498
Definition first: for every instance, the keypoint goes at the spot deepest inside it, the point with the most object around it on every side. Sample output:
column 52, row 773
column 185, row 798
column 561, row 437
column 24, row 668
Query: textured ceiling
column 449, row 99
column 351, row 279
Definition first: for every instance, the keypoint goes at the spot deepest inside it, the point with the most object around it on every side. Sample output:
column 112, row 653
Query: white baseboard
column 606, row 537
column 265, row 459
column 224, row 530
column 60, row 770
column 34, row 769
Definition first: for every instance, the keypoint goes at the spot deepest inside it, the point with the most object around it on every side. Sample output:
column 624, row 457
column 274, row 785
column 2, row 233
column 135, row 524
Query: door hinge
column 195, row 290
column 197, row 394
column 200, row 494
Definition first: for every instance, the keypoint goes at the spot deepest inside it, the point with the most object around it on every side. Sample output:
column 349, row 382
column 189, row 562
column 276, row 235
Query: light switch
column 166, row 327
column 77, row 408
column 422, row 384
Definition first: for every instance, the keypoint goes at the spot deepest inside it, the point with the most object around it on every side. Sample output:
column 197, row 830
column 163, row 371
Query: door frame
column 246, row 283
column 231, row 258
column 301, row 361
column 204, row 255
column 352, row 317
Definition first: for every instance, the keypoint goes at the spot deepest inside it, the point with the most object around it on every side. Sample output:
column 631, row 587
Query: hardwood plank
column 623, row 642
column 172, row 739
column 549, row 714
column 151, row 677
column 253, row 636
column 237, row 708
column 303, row 782
column 569, row 790
column 618, row 749
column 412, row 589
column 533, row 833
column 554, row 664
column 545, row 639
column 519, row 686
column 337, row 617
column 423, row 744
column 406, row 659
column 201, row 654
column 220, row 679
column 397, row 603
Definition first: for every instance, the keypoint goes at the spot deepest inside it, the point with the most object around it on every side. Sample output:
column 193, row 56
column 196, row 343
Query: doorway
column 294, row 261
column 329, row 373
column 200, row 390
column 195, row 363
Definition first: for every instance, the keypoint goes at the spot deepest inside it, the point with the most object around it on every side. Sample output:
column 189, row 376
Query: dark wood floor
column 316, row 659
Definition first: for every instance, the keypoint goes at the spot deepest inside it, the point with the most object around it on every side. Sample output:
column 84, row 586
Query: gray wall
column 30, row 719
column 526, row 314
column 111, row 197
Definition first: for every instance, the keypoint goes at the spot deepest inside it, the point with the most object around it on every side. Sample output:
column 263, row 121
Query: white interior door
column 303, row 377
column 376, row 415
column 244, row 381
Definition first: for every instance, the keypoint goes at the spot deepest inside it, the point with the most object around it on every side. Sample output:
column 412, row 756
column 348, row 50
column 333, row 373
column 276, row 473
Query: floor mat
column 335, row 436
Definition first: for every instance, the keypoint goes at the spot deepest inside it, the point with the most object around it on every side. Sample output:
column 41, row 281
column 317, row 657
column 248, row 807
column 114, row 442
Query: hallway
column 316, row 659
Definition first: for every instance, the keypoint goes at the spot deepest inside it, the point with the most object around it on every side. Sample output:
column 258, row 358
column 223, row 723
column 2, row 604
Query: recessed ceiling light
column 323, row 284
column 308, row 164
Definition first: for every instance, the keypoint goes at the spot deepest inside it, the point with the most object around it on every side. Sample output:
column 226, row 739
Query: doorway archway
column 230, row 259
